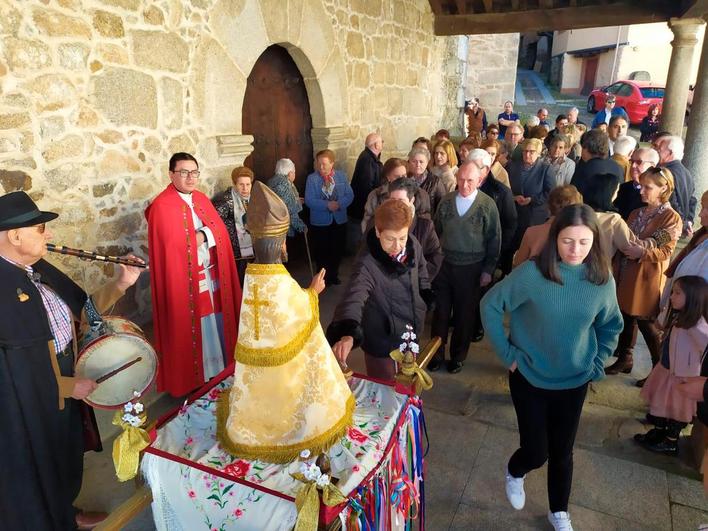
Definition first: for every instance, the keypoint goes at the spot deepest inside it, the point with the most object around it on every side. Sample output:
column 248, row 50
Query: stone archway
column 243, row 30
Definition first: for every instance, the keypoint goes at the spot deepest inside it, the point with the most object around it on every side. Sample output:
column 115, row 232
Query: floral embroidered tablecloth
column 189, row 498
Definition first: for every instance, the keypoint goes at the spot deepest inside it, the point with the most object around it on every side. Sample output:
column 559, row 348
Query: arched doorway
column 276, row 111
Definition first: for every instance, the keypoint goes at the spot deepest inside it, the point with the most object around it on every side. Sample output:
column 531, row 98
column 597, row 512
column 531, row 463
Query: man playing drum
column 41, row 451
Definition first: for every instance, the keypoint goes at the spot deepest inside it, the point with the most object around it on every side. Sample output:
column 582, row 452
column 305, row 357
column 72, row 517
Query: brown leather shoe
column 623, row 365
column 86, row 520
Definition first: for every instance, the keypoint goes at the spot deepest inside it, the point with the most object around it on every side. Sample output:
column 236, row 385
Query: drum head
column 109, row 353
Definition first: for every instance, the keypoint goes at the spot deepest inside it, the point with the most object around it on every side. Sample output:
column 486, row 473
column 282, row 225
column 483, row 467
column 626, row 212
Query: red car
column 634, row 97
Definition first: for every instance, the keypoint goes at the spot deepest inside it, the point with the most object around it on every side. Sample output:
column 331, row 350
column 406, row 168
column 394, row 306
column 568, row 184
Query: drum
column 116, row 344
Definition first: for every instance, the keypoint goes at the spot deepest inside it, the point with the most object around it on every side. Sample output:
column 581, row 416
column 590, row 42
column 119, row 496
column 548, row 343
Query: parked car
column 634, row 97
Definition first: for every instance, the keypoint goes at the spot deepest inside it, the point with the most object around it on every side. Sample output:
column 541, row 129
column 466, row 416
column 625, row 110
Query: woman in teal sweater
column 564, row 323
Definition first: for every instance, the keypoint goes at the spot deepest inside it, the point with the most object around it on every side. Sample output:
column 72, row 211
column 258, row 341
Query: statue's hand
column 318, row 282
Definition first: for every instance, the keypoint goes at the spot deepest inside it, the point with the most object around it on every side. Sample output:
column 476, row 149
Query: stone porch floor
column 472, row 430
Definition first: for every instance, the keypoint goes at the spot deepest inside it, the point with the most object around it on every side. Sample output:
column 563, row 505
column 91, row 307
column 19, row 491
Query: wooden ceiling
column 468, row 17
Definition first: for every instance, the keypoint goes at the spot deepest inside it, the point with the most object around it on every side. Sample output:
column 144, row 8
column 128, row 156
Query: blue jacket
column 315, row 199
column 601, row 115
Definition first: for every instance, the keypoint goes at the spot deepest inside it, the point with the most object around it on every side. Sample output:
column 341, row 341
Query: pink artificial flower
column 238, row 513
column 192, row 494
column 355, row 468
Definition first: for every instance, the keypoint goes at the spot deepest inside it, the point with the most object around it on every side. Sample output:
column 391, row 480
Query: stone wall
column 491, row 70
column 96, row 94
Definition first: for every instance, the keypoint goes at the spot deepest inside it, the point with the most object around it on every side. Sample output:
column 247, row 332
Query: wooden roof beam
column 549, row 19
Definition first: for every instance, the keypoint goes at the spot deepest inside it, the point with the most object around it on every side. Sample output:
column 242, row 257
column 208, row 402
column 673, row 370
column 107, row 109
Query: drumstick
column 119, row 369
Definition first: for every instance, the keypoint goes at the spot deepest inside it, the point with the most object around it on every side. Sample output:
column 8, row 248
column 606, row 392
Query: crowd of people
column 570, row 228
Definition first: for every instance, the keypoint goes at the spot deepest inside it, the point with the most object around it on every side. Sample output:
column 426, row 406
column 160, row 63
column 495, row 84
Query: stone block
column 142, row 189
column 9, row 143
column 110, row 136
column 22, row 54
column 51, row 127
column 52, row 92
column 171, row 103
column 317, row 40
column 160, row 51
column 687, row 517
column 380, row 74
column 86, row 117
column 361, row 75
column 125, row 97
column 14, row 120
column 152, row 145
column 67, row 147
column 120, row 227
column 101, row 190
column 131, row 5
column 73, row 56
column 64, row 177
column 108, row 24
column 111, row 53
column 13, row 181
column 115, row 163
column 246, row 45
column 154, row 15
column 355, row 45
column 55, row 24
column 181, row 143
column 10, row 19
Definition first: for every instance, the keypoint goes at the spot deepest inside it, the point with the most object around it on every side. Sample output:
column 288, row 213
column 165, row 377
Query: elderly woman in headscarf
column 418, row 159
column 282, row 183
column 560, row 167
column 530, row 183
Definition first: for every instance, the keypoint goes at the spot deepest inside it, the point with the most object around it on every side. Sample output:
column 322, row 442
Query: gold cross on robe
column 256, row 303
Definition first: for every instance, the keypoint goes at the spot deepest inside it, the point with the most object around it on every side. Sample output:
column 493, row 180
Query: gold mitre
column 267, row 215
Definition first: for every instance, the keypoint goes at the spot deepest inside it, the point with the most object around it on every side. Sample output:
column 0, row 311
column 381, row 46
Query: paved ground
column 472, row 430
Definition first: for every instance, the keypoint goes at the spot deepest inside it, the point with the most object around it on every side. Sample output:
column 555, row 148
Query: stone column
column 679, row 77
column 695, row 156
column 336, row 138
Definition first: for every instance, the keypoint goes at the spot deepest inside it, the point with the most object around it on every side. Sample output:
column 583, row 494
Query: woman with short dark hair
column 385, row 293
column 553, row 354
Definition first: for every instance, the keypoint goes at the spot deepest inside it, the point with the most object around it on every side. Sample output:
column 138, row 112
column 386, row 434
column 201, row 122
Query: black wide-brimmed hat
column 18, row 210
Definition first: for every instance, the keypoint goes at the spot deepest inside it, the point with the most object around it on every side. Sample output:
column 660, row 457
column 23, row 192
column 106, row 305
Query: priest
column 289, row 393
column 42, row 444
column 195, row 289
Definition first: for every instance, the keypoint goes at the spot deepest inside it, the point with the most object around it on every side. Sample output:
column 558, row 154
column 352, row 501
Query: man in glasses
column 608, row 112
column 196, row 294
column 628, row 197
column 42, row 413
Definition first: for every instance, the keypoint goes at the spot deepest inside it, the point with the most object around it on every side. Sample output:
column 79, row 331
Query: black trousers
column 548, row 421
column 628, row 337
column 328, row 246
column 457, row 293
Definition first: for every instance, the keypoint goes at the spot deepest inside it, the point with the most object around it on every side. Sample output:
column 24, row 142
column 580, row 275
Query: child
column 683, row 352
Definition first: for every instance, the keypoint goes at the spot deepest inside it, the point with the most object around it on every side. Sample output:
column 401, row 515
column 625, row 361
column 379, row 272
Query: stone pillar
column 233, row 149
column 679, row 77
column 695, row 156
column 336, row 138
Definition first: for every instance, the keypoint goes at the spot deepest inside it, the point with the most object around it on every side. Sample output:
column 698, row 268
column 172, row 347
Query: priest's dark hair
column 174, row 159
column 596, row 262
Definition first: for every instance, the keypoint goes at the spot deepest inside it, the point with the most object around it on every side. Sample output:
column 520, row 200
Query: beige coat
column 639, row 282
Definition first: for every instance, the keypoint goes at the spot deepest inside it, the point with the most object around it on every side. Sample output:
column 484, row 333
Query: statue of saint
column 289, row 393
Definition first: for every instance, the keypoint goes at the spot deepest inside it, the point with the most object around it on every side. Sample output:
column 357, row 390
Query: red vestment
column 174, row 282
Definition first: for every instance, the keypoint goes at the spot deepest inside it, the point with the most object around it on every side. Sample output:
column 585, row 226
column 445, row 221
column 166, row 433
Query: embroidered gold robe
column 289, row 393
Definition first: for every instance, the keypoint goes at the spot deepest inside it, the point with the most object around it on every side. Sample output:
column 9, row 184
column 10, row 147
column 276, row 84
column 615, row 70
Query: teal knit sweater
column 559, row 335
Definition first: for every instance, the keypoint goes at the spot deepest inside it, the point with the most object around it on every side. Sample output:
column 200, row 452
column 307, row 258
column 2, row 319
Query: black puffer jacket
column 382, row 297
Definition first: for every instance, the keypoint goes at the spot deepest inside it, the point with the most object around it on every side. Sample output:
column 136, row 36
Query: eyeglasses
column 495, row 133
column 637, row 162
column 186, row 173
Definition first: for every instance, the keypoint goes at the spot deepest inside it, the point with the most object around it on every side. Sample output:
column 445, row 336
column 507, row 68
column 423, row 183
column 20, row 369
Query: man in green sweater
column 467, row 222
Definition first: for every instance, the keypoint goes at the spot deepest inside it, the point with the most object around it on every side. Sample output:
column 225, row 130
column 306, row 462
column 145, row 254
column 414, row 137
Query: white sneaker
column 560, row 521
column 515, row 491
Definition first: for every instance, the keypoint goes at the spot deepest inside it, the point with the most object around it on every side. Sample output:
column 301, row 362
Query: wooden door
column 276, row 112
column 589, row 73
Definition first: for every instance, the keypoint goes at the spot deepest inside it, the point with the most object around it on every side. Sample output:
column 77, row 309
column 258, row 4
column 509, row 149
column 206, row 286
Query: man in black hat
column 41, row 450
